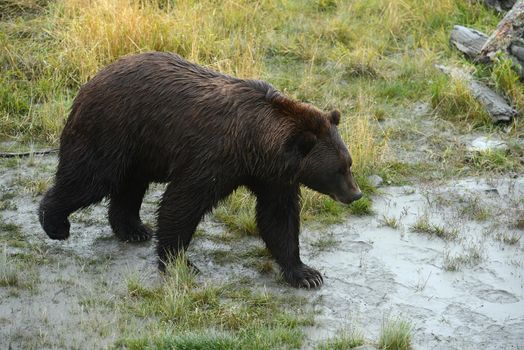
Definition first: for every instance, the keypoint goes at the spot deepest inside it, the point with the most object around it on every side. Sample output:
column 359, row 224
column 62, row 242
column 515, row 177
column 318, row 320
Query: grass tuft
column 237, row 212
column 345, row 341
column 507, row 81
column 510, row 238
column 495, row 161
column 395, row 335
column 470, row 257
column 8, row 273
column 452, row 99
column 422, row 225
column 361, row 207
column 389, row 221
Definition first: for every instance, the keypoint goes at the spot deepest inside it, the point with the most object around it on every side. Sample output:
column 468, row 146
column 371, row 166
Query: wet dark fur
column 155, row 117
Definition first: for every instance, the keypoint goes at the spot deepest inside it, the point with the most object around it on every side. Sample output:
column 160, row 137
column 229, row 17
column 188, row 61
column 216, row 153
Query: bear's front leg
column 183, row 206
column 278, row 220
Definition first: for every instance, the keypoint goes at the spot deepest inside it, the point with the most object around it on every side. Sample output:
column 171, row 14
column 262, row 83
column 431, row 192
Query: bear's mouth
column 337, row 198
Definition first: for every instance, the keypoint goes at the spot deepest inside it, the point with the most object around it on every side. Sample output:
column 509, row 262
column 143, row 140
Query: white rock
column 375, row 180
column 482, row 144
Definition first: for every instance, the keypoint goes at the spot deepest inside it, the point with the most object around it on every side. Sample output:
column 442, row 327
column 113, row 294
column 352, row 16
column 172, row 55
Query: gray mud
column 463, row 291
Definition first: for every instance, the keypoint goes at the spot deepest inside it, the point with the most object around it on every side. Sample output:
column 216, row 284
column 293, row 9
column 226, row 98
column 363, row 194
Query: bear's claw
column 304, row 276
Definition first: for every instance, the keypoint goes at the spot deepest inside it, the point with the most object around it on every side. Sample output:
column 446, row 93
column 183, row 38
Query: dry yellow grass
column 97, row 32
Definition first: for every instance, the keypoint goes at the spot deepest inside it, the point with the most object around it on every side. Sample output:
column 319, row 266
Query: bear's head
column 326, row 166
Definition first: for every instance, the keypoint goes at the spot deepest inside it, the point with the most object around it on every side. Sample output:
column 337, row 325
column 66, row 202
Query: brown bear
column 155, row 117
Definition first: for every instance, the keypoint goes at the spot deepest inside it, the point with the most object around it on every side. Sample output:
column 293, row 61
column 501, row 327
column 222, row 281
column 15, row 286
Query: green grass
column 389, row 221
column 237, row 212
column 495, row 160
column 395, row 335
column 188, row 314
column 361, row 207
column 344, row 341
column 452, row 99
column 422, row 225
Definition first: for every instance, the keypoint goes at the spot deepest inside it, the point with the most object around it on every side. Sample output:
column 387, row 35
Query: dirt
column 373, row 272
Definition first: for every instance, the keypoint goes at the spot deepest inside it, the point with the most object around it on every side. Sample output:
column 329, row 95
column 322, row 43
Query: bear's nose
column 356, row 197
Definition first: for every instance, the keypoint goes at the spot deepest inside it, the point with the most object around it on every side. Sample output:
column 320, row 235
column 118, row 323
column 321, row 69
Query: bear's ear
column 304, row 142
column 334, row 117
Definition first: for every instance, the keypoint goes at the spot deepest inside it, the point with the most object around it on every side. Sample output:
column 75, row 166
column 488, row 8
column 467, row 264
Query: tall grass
column 97, row 32
column 359, row 56
column 307, row 48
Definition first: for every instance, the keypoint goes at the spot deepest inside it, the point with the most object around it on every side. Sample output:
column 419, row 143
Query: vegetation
column 395, row 335
column 184, row 314
column 344, row 341
column 422, row 225
column 471, row 256
column 8, row 273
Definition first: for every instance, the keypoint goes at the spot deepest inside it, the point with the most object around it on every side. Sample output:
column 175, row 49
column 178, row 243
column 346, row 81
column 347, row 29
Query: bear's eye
column 343, row 170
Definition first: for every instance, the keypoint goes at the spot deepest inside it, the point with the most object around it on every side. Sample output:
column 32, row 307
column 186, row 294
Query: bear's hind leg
column 64, row 198
column 124, row 212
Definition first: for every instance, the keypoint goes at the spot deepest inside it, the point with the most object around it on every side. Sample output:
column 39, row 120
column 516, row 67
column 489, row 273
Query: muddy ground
column 445, row 256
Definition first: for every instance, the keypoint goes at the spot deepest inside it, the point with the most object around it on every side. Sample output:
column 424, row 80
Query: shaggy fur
column 155, row 117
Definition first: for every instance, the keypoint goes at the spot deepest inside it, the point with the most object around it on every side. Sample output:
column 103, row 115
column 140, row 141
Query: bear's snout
column 355, row 197
column 347, row 199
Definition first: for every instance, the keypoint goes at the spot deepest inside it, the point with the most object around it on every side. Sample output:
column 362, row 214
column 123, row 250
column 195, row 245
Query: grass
column 472, row 207
column 389, row 221
column 8, row 271
column 452, row 99
column 499, row 161
column 510, row 238
column 237, row 212
column 181, row 313
column 345, row 341
column 507, row 81
column 395, row 335
column 471, row 256
column 11, row 234
column 325, row 242
column 33, row 186
column 422, row 225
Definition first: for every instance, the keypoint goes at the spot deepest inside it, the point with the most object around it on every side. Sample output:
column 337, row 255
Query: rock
column 496, row 106
column 375, row 180
column 500, row 5
column 482, row 144
column 492, row 191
